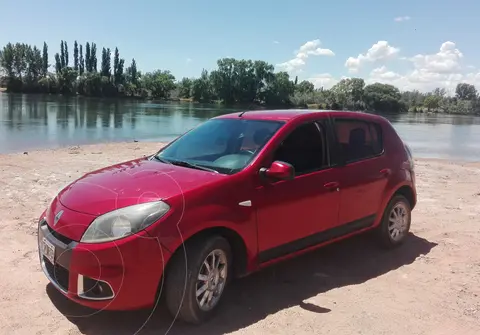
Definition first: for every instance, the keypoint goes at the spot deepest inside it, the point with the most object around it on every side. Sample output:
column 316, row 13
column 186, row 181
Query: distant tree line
column 353, row 94
column 24, row 68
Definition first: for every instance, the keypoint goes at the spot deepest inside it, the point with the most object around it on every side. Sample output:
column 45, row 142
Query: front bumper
column 120, row 275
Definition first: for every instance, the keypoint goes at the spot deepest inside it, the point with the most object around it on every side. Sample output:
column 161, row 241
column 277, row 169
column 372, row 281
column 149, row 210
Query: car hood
column 131, row 183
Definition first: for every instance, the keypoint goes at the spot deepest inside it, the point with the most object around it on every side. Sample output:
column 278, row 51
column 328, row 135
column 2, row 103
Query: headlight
column 124, row 221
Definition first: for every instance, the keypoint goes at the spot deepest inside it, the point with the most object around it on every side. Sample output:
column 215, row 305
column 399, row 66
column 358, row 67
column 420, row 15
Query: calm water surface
column 33, row 121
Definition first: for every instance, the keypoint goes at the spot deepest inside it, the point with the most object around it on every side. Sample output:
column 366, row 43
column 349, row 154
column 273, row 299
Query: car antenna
column 241, row 114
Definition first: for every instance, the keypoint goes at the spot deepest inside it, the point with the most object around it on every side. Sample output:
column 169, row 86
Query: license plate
column 48, row 250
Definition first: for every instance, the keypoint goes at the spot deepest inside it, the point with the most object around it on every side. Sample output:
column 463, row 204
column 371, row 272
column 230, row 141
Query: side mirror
column 278, row 171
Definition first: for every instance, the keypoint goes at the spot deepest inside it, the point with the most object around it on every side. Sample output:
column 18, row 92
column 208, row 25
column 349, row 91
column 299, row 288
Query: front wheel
column 195, row 284
column 395, row 224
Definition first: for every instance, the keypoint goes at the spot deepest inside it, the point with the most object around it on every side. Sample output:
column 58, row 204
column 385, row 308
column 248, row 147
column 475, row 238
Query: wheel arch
column 237, row 244
column 408, row 193
column 403, row 189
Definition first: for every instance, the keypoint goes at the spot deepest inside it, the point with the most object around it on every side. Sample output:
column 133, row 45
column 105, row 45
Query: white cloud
column 382, row 73
column 311, row 48
column 447, row 60
column 188, row 60
column 442, row 69
column 402, row 18
column 276, row 42
column 473, row 78
column 380, row 51
column 325, row 80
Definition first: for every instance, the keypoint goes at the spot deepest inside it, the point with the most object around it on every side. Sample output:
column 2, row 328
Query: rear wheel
column 395, row 224
column 195, row 284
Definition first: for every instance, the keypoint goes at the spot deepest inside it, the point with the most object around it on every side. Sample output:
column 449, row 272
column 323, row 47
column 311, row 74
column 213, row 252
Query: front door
column 292, row 213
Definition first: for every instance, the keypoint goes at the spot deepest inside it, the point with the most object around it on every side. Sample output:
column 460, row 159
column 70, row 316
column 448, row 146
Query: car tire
column 395, row 224
column 189, row 275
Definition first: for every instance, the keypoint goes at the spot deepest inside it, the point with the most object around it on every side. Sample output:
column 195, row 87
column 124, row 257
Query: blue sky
column 185, row 36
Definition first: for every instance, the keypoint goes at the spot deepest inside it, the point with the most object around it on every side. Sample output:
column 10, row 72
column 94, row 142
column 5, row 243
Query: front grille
column 59, row 236
column 58, row 273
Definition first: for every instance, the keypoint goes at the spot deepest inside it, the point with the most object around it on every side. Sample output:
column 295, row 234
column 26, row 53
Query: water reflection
column 36, row 121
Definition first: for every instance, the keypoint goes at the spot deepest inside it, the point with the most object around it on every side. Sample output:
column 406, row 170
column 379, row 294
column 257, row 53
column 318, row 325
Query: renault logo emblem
column 57, row 217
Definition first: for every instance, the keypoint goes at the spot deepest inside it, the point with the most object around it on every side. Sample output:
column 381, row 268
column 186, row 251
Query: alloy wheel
column 398, row 221
column 211, row 280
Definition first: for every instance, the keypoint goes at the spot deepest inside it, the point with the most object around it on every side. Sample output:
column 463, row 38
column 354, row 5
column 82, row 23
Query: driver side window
column 304, row 148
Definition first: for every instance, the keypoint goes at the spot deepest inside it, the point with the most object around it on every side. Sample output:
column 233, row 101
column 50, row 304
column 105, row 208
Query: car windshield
column 222, row 145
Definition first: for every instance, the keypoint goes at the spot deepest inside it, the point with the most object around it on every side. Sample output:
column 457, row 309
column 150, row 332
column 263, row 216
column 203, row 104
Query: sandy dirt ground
column 430, row 286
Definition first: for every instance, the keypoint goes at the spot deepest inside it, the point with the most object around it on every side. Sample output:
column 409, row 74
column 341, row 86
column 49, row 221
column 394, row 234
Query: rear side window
column 358, row 139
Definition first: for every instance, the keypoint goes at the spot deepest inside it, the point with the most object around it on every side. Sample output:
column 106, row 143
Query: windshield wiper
column 162, row 160
column 191, row 165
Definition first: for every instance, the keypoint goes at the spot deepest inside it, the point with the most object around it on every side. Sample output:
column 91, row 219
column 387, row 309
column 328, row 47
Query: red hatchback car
column 235, row 194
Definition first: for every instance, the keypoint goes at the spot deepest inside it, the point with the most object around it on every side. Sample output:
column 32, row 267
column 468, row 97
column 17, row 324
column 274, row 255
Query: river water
column 34, row 121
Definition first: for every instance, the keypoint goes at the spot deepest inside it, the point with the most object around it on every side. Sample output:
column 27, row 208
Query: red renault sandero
column 233, row 195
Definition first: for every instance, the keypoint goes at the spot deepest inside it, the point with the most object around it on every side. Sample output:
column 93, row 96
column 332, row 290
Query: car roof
column 287, row 115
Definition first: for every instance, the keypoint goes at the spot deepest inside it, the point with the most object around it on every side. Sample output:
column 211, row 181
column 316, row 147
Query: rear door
column 362, row 174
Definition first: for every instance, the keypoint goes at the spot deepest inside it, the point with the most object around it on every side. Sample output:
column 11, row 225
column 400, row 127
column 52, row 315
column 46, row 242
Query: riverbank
column 428, row 287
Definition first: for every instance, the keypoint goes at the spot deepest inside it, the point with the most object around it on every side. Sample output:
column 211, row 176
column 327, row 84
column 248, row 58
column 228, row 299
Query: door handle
column 385, row 172
column 332, row 186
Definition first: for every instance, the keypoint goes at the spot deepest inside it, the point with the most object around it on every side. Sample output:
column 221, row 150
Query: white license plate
column 48, row 250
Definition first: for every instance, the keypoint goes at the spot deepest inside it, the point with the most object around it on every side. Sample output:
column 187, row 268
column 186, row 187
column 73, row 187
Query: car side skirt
column 316, row 239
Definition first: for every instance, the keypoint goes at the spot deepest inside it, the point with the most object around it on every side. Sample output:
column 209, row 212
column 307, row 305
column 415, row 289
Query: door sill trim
column 316, row 239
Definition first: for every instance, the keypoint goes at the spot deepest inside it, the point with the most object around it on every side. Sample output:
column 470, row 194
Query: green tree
column 106, row 63
column 93, row 58
column 131, row 73
column 66, row 53
column 202, row 88
column 58, row 63
column 413, row 99
column 383, row 98
column 88, row 58
column 349, row 93
column 466, row 92
column 118, row 65
column 81, row 62
column 75, row 56
column 7, row 57
column 90, row 84
column 120, row 75
column 116, row 61
column 432, row 102
column 185, row 88
column 19, row 59
column 279, row 90
column 159, row 83
column 305, row 87
column 240, row 81
column 440, row 92
column 223, row 81
column 263, row 74
column 34, row 63
column 45, row 59
column 62, row 54
column 66, row 80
